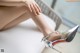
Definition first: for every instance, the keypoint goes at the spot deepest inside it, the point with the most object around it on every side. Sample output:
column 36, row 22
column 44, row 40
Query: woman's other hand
column 33, row 6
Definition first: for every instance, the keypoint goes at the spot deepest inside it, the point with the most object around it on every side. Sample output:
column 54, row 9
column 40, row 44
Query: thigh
column 8, row 14
column 18, row 20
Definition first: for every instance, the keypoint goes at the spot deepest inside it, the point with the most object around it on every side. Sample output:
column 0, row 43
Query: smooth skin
column 23, row 11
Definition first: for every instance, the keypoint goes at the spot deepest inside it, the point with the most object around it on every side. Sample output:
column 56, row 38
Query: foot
column 68, row 36
column 54, row 36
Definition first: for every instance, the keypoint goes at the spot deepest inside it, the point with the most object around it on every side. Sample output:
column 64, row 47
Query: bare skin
column 22, row 13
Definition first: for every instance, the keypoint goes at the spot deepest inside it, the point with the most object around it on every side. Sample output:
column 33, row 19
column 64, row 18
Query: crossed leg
column 24, row 14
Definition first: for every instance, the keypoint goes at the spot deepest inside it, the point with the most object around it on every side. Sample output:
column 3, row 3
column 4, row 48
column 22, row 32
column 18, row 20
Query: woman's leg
column 16, row 21
column 18, row 15
column 39, row 20
column 8, row 14
column 44, row 27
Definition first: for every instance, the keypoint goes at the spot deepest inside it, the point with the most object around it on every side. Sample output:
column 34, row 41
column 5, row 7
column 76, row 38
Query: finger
column 36, row 9
column 33, row 9
column 29, row 6
column 39, row 8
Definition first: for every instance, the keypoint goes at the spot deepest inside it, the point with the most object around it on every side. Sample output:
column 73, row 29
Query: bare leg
column 8, row 14
column 21, row 18
column 44, row 27
column 39, row 20
column 22, row 15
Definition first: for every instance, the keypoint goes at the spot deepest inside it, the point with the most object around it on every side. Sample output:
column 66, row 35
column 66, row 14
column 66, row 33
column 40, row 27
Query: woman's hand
column 33, row 7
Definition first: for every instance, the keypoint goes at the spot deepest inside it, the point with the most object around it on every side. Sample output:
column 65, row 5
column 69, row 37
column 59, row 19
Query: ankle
column 47, row 32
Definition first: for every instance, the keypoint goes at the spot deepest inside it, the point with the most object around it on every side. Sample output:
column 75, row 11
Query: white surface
column 24, row 38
